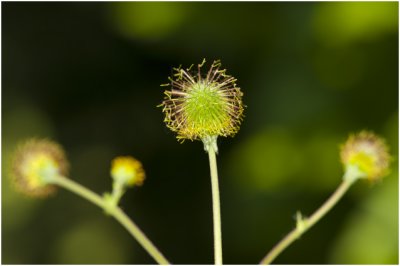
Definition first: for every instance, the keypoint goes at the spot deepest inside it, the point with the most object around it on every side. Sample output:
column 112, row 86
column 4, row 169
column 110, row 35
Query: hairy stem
column 114, row 211
column 212, row 150
column 303, row 224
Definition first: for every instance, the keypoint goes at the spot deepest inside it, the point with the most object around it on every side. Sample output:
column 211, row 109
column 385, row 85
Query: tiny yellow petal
column 127, row 170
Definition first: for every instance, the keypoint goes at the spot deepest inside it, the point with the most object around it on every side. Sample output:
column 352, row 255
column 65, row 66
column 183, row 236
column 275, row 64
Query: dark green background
column 87, row 75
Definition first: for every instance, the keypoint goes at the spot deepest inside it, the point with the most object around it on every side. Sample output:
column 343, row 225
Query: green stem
column 216, row 205
column 114, row 211
column 303, row 224
column 117, row 192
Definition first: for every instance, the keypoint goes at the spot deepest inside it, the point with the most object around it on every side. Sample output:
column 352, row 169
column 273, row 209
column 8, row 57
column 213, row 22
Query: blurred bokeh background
column 87, row 75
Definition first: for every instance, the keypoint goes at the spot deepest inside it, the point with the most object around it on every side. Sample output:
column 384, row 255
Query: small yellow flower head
column 368, row 153
column 200, row 106
column 127, row 170
column 35, row 163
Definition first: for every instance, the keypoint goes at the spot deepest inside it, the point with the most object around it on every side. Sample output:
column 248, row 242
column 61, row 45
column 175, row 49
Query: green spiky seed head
column 201, row 106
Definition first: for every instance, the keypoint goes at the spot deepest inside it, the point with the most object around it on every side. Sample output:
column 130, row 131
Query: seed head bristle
column 200, row 105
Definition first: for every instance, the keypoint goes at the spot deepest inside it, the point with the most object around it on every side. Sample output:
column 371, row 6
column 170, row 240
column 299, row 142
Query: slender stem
column 117, row 192
column 216, row 206
column 114, row 211
column 303, row 224
column 135, row 231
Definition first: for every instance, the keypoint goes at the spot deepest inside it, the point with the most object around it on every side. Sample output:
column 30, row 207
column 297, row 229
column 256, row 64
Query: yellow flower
column 201, row 106
column 127, row 170
column 368, row 153
column 34, row 165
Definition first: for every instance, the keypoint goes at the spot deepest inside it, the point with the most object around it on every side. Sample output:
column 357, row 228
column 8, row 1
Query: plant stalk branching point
column 114, row 211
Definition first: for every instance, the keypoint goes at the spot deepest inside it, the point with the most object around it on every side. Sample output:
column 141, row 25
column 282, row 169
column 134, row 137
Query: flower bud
column 35, row 163
column 366, row 155
column 127, row 170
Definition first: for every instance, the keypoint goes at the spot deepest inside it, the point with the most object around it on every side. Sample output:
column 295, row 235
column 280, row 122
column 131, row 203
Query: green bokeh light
column 344, row 23
column 148, row 21
column 90, row 242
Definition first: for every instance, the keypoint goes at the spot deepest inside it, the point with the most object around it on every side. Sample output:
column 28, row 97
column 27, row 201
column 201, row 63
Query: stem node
column 303, row 224
column 108, row 204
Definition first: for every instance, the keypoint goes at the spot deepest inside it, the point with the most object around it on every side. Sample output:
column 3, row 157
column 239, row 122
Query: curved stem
column 114, row 211
column 303, row 224
column 216, row 206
